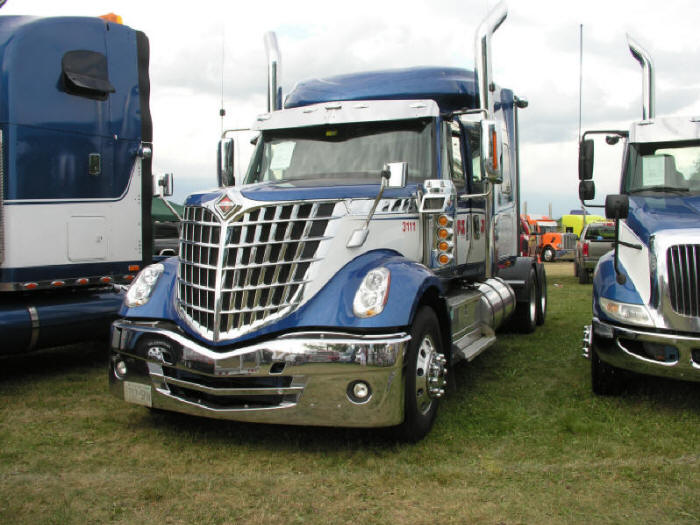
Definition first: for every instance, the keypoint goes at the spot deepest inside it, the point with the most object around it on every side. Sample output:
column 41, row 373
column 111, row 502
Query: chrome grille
column 232, row 283
column 568, row 241
column 683, row 270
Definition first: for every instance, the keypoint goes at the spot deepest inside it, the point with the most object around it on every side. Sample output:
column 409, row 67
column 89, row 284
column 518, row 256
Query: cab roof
column 451, row 88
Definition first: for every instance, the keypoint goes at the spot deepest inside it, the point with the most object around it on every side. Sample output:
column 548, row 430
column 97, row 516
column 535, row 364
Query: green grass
column 520, row 440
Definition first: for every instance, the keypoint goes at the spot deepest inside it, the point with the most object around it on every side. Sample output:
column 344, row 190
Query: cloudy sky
column 536, row 53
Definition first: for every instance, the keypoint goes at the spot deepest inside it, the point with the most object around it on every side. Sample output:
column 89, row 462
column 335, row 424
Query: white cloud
column 535, row 54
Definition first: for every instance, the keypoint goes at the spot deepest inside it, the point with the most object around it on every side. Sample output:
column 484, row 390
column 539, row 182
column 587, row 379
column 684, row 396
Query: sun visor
column 85, row 74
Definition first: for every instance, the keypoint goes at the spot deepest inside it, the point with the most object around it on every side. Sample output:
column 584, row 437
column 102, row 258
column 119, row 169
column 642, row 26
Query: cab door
column 465, row 171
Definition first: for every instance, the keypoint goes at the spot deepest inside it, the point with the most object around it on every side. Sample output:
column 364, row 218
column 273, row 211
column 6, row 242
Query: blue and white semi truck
column 75, row 182
column 646, row 292
column 371, row 244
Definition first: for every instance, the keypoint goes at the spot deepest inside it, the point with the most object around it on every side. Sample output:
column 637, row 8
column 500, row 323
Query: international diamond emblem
column 226, row 206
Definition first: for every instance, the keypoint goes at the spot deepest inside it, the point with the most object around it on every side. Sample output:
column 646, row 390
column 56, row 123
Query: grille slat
column 236, row 275
column 683, row 263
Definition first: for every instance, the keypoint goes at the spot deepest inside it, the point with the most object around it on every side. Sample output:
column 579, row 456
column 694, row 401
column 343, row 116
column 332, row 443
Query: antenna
column 222, row 111
column 580, row 78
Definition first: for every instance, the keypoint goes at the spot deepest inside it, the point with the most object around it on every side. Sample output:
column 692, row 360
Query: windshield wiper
column 669, row 189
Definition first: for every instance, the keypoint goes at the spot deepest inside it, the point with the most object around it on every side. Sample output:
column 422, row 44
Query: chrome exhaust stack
column 274, row 63
column 648, row 91
column 482, row 55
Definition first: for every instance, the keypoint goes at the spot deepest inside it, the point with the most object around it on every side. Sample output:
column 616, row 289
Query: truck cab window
column 473, row 135
column 455, row 157
column 663, row 167
column 347, row 154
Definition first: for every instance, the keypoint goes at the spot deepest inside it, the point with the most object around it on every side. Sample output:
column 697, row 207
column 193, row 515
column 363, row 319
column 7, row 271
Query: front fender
column 330, row 308
column 605, row 285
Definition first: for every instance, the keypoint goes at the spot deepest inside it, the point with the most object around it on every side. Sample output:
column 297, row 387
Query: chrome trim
column 482, row 54
column 664, row 314
column 619, row 356
column 34, row 316
column 274, row 63
column 345, row 112
column 648, row 90
column 303, row 377
column 240, row 273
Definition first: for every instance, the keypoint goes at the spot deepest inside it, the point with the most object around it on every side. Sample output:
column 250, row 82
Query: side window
column 473, row 134
column 455, row 158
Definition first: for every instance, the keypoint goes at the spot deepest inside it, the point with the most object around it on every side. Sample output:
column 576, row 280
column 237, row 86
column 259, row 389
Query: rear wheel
column 541, row 313
column 583, row 277
column 425, row 377
column 525, row 317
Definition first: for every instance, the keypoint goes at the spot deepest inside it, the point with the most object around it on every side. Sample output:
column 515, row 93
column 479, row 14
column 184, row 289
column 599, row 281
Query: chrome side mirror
column 491, row 151
column 164, row 185
column 224, row 166
column 397, row 174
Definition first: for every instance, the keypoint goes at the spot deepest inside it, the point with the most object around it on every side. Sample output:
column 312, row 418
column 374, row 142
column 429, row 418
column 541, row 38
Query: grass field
column 521, row 440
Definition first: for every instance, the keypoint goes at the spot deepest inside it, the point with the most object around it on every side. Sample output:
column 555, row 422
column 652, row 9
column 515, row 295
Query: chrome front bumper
column 298, row 379
column 658, row 354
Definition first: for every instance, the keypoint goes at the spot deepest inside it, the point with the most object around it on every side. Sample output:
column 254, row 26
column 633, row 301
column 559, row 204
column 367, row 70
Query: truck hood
column 648, row 215
column 273, row 192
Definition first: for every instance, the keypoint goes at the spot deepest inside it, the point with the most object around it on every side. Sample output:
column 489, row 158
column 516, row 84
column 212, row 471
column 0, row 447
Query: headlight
column 372, row 294
column 625, row 312
column 140, row 290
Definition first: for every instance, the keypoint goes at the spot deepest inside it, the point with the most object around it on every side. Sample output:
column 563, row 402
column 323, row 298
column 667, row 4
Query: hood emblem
column 225, row 206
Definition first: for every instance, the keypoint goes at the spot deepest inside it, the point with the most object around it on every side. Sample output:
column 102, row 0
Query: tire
column 541, row 313
column 425, row 361
column 575, row 269
column 525, row 317
column 583, row 276
column 548, row 254
column 606, row 380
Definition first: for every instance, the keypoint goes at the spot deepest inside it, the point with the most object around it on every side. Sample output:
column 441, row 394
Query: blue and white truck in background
column 646, row 292
column 75, row 181
column 372, row 243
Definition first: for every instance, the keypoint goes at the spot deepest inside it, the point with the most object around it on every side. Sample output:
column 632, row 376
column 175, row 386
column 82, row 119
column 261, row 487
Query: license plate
column 137, row 393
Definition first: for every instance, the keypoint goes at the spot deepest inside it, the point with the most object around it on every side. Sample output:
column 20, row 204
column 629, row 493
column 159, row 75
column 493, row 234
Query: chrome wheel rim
column 430, row 374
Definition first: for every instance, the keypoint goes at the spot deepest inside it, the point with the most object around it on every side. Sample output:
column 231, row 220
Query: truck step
column 472, row 344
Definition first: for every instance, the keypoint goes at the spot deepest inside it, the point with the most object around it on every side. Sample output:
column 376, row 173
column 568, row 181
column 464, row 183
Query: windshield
column 670, row 167
column 345, row 154
column 600, row 232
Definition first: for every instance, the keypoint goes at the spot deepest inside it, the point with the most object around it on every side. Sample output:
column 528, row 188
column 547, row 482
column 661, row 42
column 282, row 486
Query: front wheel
column 548, row 254
column 606, row 380
column 425, row 377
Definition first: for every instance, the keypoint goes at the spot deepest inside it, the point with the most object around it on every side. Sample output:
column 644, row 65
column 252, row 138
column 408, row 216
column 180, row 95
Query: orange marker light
column 443, row 246
column 443, row 220
column 442, row 233
column 443, row 259
column 30, row 286
column 134, row 267
column 82, row 280
column 111, row 17
column 106, row 279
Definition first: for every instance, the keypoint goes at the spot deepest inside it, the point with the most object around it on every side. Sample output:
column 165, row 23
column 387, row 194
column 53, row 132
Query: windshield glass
column 600, row 232
column 343, row 154
column 670, row 167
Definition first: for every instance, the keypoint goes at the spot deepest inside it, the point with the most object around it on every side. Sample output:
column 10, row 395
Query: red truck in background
column 549, row 243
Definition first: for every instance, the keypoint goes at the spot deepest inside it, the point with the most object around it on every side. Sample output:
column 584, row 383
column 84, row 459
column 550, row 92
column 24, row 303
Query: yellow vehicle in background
column 574, row 223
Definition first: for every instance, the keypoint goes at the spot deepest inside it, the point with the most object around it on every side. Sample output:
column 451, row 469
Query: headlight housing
column 625, row 312
column 372, row 294
column 140, row 290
